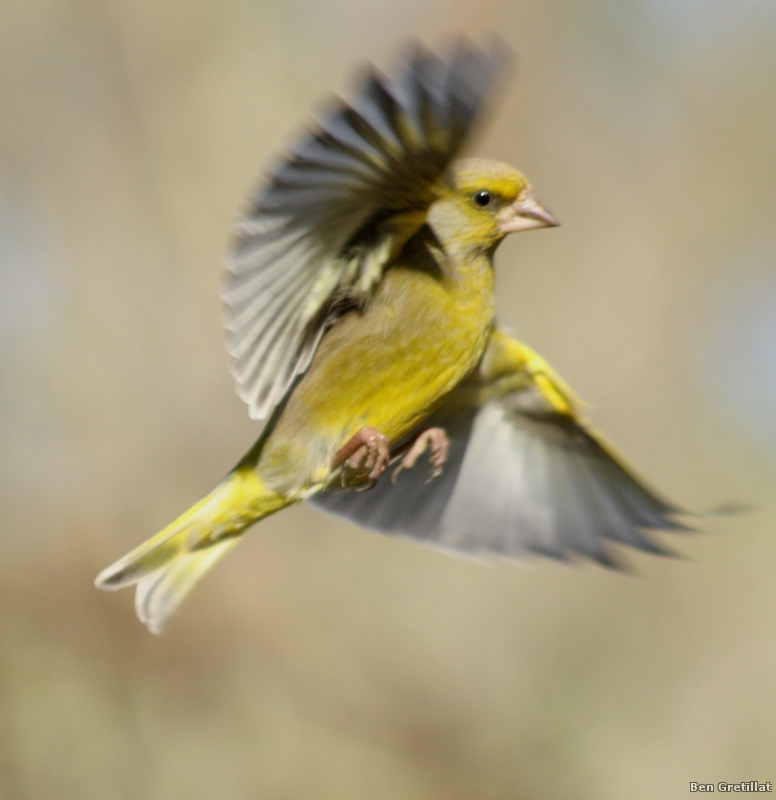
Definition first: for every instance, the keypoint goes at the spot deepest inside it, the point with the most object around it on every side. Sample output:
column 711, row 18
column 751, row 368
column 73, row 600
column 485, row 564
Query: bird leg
column 440, row 445
column 364, row 458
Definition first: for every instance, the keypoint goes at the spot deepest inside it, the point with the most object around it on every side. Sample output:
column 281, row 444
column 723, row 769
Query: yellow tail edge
column 168, row 566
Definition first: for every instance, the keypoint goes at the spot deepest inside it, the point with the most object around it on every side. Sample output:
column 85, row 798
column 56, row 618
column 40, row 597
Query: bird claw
column 440, row 446
column 363, row 459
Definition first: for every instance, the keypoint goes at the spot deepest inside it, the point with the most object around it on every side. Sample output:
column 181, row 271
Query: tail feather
column 168, row 566
column 192, row 528
column 159, row 594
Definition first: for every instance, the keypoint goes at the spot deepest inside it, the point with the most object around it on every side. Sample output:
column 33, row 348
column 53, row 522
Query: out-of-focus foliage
column 327, row 662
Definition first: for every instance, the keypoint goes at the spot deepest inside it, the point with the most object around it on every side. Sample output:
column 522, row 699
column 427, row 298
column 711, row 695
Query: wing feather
column 311, row 237
column 521, row 478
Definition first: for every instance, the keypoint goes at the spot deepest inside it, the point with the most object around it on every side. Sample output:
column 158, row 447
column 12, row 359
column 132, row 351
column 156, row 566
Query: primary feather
column 524, row 475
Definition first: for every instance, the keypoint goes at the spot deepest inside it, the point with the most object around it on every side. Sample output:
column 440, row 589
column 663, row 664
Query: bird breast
column 386, row 367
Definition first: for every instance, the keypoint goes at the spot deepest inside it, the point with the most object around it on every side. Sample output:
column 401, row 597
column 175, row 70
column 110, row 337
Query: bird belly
column 386, row 368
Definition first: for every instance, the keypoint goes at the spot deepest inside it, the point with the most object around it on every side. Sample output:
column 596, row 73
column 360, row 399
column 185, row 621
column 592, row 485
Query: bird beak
column 526, row 213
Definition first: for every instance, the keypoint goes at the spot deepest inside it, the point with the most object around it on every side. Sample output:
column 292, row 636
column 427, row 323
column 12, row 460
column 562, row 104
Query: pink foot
column 440, row 445
column 364, row 458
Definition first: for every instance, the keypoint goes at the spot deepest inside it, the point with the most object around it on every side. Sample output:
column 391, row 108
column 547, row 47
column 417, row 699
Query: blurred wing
column 522, row 477
column 341, row 205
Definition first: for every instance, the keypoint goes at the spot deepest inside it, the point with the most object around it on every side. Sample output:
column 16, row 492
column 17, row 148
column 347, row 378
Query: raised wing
column 339, row 208
column 524, row 475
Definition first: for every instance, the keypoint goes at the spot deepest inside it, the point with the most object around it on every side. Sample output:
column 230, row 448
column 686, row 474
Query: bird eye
column 482, row 199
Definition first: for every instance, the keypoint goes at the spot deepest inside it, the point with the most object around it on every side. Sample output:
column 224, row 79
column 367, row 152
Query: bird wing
column 525, row 474
column 340, row 206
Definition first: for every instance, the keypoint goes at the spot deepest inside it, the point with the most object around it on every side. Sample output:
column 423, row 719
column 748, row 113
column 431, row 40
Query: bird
column 360, row 320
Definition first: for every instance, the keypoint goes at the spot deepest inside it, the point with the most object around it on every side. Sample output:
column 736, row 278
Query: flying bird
column 360, row 318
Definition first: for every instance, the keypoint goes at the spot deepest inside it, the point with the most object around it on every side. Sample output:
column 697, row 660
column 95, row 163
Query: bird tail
column 168, row 566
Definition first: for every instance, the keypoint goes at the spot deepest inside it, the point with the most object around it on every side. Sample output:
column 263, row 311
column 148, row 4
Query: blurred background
column 322, row 661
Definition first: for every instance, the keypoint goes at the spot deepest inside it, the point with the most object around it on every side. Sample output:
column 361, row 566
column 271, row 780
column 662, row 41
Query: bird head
column 480, row 202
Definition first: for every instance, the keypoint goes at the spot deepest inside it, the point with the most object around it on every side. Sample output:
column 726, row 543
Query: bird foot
column 363, row 459
column 440, row 445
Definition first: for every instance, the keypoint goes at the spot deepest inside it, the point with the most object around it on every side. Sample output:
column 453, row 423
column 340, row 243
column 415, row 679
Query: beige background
column 320, row 661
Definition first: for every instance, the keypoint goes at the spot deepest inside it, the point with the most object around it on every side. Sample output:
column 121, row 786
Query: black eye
column 482, row 199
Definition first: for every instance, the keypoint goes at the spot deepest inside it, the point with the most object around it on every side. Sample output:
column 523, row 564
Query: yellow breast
column 387, row 367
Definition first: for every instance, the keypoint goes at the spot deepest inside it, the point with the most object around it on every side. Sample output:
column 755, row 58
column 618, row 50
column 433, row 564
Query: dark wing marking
column 521, row 478
column 338, row 207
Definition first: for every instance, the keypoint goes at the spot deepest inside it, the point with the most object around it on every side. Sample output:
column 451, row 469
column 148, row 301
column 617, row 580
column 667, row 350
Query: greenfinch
column 360, row 324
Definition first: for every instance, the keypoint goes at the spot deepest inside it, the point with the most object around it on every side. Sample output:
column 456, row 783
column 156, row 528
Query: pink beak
column 526, row 213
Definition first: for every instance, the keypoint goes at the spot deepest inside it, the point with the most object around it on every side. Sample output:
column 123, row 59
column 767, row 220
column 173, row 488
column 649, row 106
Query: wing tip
column 730, row 508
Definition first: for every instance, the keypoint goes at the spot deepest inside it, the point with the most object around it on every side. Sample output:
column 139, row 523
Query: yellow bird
column 360, row 319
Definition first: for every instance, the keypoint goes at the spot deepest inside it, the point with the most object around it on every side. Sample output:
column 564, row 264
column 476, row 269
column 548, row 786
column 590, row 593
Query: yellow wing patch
column 512, row 365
